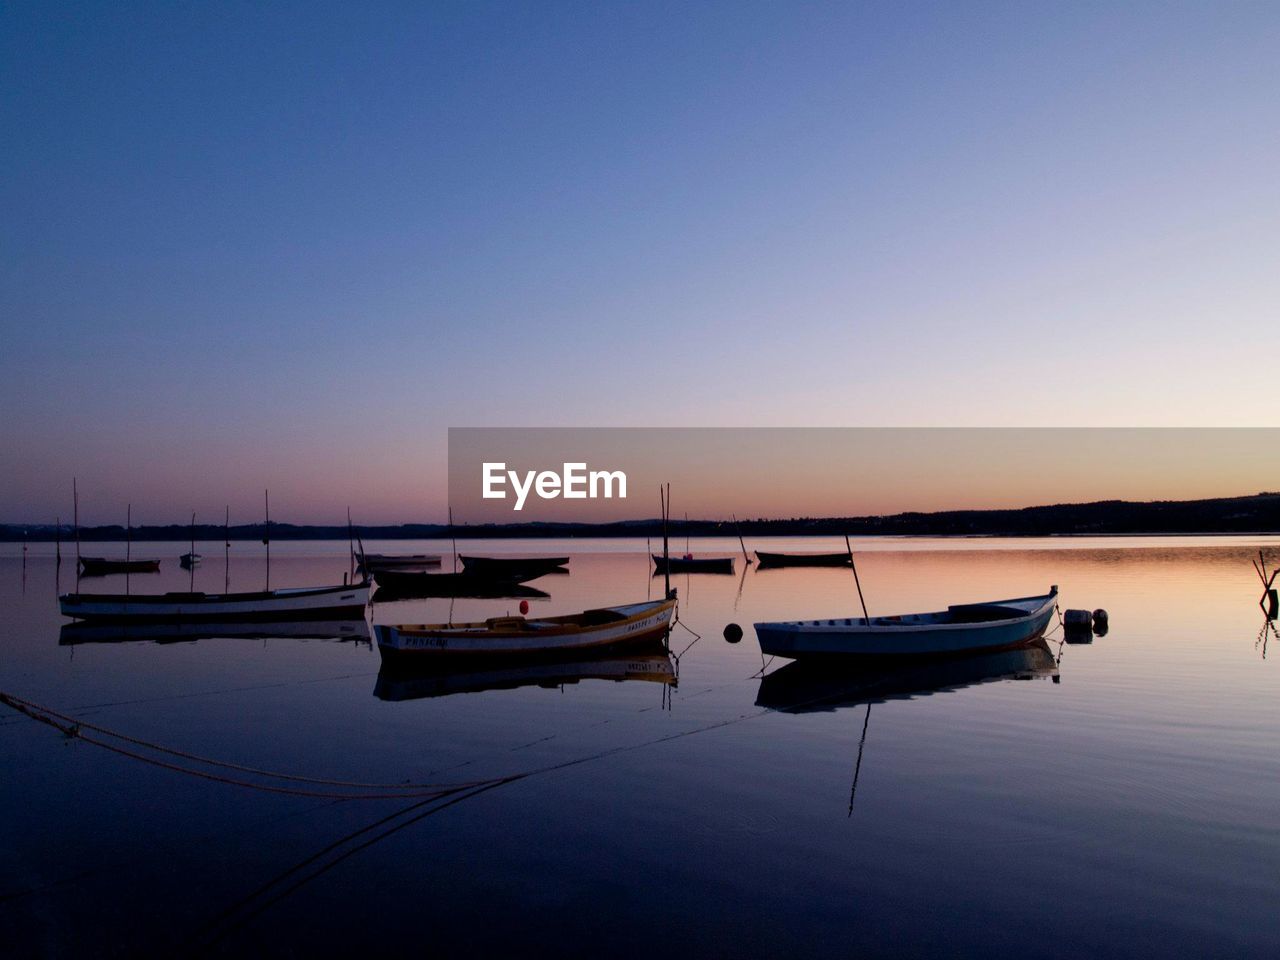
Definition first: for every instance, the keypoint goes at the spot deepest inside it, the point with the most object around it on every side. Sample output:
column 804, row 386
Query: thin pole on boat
column 351, row 546
column 857, row 767
column 865, row 618
column 192, row 564
column 742, row 543
column 454, row 535
column 226, row 551
column 266, row 532
column 665, row 500
column 75, row 500
column 687, row 551
column 57, row 539
column 128, row 542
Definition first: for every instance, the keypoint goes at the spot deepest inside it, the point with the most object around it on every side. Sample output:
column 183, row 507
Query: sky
column 289, row 245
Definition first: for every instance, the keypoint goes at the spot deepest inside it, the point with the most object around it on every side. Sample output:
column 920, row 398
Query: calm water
column 1126, row 805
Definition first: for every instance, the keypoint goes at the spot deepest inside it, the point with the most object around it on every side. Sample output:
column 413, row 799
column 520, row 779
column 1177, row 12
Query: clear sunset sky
column 289, row 245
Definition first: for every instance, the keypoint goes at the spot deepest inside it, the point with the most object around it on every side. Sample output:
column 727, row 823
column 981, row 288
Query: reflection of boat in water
column 628, row 624
column 768, row 560
column 401, row 684
column 802, row 687
column 77, row 633
column 513, row 568
column 961, row 627
column 400, row 585
column 690, row 564
column 102, row 566
column 290, row 603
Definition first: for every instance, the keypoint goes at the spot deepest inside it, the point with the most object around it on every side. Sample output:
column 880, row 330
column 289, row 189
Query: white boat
column 964, row 627
column 290, row 603
column 623, row 625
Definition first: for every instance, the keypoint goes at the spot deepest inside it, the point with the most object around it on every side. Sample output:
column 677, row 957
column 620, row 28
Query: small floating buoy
column 1099, row 619
column 1078, row 620
column 732, row 633
column 1273, row 605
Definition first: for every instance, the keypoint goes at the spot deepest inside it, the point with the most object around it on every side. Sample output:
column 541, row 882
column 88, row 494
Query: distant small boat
column 373, row 562
column 689, row 564
column 630, row 624
column 416, row 585
column 802, row 559
column 513, row 568
column 292, row 603
column 188, row 560
column 407, row 684
column 101, row 566
column 958, row 629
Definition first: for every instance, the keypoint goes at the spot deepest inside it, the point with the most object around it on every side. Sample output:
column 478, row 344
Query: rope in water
column 71, row 727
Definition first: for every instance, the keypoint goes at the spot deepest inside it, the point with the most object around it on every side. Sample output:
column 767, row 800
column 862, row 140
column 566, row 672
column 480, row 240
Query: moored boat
column 802, row 559
column 405, row 585
column 690, row 564
column 189, row 560
column 629, row 624
column 373, row 562
column 290, row 603
column 101, row 566
column 958, row 629
column 513, row 568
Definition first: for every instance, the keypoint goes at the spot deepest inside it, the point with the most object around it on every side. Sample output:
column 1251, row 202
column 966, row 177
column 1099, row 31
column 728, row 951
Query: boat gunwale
column 857, row 625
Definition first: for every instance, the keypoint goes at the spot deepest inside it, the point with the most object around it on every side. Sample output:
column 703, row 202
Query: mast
column 266, row 531
column 75, row 499
column 226, row 550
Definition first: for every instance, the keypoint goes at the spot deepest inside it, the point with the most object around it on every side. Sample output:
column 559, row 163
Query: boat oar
column 866, row 619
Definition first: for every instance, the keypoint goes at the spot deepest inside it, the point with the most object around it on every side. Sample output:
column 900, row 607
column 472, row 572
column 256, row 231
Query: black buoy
column 732, row 633
column 1273, row 604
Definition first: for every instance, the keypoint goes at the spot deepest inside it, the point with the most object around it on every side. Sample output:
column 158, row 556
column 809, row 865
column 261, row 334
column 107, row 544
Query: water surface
column 1096, row 799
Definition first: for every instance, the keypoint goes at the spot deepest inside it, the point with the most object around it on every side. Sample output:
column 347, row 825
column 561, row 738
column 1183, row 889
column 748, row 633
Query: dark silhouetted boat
column 629, row 624
column 513, row 568
column 690, row 564
column 802, row 559
column 371, row 563
column 189, row 560
column 102, row 566
column 289, row 603
column 409, row 684
column 403, row 585
column 964, row 627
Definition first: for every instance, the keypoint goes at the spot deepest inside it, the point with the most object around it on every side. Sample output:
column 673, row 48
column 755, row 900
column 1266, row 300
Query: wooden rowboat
column 689, row 564
column 962, row 628
column 101, row 566
column 405, row 585
column 629, row 624
column 513, row 568
column 373, row 562
column 802, row 559
column 293, row 603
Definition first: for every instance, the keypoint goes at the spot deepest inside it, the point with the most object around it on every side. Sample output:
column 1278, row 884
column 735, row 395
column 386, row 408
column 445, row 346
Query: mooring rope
column 75, row 729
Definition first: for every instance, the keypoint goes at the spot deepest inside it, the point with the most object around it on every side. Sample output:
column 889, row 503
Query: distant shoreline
column 1256, row 515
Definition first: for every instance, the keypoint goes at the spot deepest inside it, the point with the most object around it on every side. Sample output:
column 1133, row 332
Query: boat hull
column 101, row 566
column 852, row 636
column 320, row 603
column 692, row 564
column 802, row 559
column 513, row 568
column 644, row 623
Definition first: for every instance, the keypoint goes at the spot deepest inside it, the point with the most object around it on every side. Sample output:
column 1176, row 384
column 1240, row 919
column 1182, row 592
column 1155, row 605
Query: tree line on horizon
column 1259, row 513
